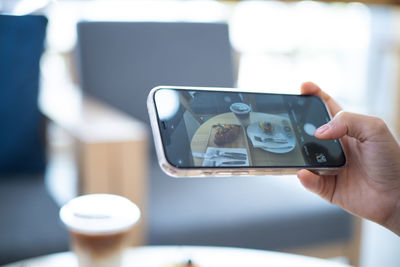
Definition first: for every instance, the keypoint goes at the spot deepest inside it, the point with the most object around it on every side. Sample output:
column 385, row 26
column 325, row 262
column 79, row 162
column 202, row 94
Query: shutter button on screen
column 309, row 129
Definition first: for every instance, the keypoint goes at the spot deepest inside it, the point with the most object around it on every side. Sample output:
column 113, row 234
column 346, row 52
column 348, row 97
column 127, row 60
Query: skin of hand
column 369, row 185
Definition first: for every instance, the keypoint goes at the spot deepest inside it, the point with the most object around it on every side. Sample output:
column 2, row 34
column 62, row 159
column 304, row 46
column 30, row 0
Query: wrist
column 393, row 222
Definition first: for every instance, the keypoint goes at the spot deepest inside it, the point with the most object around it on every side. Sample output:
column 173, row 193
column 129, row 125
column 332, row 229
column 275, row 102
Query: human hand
column 369, row 184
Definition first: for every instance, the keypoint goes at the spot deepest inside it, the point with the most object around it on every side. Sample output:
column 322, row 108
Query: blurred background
column 100, row 58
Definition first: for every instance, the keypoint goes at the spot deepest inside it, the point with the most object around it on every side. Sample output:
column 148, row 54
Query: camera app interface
column 228, row 129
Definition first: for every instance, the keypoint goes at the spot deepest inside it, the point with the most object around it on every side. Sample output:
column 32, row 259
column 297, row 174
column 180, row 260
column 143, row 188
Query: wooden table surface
column 258, row 156
column 168, row 256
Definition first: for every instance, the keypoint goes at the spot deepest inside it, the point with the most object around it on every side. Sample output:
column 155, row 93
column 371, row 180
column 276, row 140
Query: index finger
column 309, row 88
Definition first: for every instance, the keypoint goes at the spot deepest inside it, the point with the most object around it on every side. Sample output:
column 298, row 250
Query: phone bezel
column 177, row 172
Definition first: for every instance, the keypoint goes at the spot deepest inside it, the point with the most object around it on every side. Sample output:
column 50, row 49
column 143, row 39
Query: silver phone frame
column 215, row 172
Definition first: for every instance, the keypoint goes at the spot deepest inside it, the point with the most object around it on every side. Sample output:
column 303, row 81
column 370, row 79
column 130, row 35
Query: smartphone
column 203, row 131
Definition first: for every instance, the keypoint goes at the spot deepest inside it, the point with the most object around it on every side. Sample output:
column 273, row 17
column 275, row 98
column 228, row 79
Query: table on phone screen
column 258, row 156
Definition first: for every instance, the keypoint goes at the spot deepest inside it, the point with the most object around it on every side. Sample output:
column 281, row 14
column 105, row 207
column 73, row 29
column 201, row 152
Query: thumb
column 359, row 126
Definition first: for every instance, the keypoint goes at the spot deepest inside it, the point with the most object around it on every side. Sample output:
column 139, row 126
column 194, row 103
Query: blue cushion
column 21, row 140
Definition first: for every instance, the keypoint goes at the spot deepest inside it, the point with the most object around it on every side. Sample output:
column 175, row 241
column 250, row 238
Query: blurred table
column 168, row 256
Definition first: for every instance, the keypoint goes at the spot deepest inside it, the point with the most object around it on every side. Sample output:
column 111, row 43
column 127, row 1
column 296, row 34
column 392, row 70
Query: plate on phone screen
column 278, row 139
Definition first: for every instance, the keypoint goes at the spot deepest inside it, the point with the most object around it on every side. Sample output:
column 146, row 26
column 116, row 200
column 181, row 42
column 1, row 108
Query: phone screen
column 239, row 129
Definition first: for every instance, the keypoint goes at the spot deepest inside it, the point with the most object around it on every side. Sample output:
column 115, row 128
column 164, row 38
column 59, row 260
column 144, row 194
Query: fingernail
column 321, row 130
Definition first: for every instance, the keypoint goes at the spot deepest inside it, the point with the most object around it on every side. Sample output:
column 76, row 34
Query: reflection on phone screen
column 228, row 129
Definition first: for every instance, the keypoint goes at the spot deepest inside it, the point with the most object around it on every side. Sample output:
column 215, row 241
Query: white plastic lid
column 99, row 214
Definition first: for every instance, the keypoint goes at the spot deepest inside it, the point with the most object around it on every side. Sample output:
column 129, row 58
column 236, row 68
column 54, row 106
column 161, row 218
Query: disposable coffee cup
column 99, row 226
column 242, row 112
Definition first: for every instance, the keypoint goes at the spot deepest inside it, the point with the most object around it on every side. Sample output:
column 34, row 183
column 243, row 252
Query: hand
column 369, row 184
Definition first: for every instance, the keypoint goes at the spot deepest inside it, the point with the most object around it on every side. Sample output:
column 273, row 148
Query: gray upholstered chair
column 120, row 62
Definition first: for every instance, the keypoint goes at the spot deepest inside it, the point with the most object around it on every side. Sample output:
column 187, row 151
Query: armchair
column 29, row 223
column 110, row 154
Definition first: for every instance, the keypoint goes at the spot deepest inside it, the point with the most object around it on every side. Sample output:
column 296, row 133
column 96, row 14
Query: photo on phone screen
column 224, row 129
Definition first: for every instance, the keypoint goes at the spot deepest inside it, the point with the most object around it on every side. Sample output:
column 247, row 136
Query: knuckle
column 324, row 190
column 342, row 115
column 379, row 124
column 340, row 118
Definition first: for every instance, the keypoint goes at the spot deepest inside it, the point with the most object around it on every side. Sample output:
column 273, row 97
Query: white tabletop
column 166, row 256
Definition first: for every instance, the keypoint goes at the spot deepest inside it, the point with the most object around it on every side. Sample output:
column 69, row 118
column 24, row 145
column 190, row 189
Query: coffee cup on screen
column 242, row 112
column 99, row 226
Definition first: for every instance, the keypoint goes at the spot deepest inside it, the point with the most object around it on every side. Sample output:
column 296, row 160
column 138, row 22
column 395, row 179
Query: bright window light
column 285, row 44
